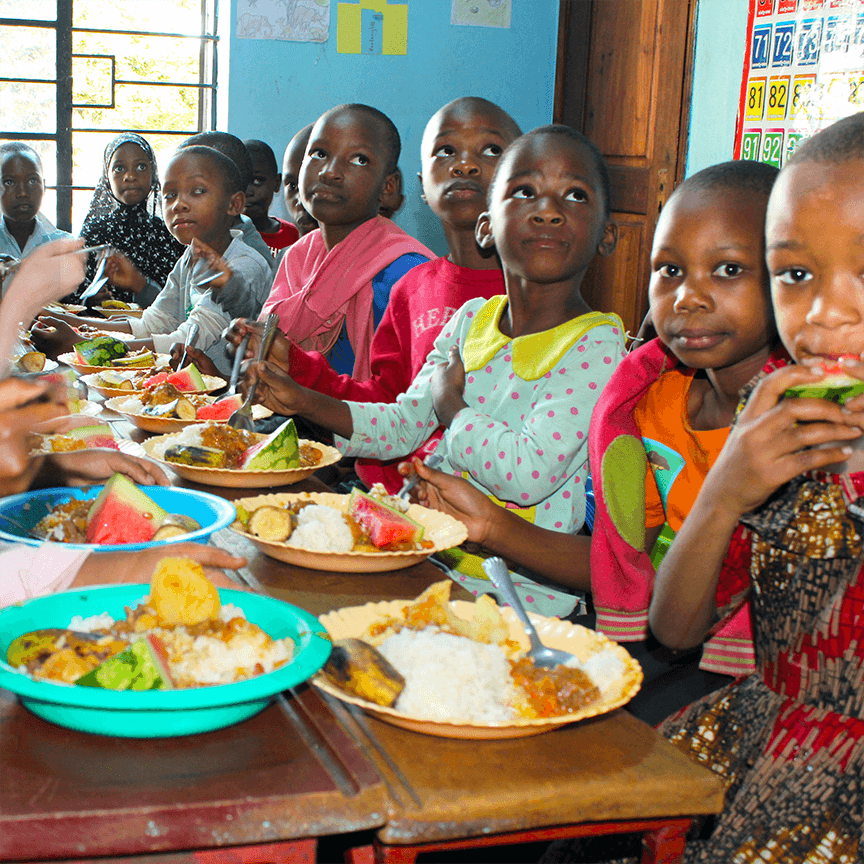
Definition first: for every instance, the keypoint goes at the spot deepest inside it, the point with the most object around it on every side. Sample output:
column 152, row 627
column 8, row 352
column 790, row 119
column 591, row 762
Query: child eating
column 333, row 285
column 202, row 194
column 23, row 228
column 266, row 180
column 786, row 491
column 462, row 144
column 125, row 212
column 535, row 359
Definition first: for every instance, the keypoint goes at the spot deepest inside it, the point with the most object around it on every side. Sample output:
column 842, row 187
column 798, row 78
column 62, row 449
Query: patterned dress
column 789, row 740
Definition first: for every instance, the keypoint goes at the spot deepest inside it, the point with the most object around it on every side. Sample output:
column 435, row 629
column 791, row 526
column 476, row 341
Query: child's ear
column 236, row 203
column 483, row 232
column 609, row 241
column 391, row 184
column 422, row 193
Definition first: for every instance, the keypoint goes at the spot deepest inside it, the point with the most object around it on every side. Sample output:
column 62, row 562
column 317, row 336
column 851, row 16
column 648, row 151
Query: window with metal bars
column 74, row 73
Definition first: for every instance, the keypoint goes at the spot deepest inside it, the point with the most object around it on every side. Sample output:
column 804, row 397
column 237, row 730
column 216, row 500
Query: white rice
column 605, row 669
column 132, row 405
column 104, row 621
column 451, row 678
column 191, row 435
column 321, row 529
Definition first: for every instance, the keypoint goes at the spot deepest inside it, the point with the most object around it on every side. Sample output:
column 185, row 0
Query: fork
column 242, row 417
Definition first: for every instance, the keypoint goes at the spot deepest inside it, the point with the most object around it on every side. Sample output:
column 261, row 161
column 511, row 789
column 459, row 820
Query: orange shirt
column 678, row 455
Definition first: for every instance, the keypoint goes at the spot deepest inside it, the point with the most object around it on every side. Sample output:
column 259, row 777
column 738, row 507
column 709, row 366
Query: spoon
column 239, row 354
column 242, row 417
column 540, row 655
column 191, row 336
column 433, row 460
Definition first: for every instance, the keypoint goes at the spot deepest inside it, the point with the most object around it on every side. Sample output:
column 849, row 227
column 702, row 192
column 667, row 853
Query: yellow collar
column 533, row 355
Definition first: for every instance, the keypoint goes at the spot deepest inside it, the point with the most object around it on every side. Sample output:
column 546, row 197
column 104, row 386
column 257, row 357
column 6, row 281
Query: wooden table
column 271, row 780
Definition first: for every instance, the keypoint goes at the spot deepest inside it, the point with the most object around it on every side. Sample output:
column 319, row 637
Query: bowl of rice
column 457, row 687
column 161, row 713
column 236, row 478
column 323, row 541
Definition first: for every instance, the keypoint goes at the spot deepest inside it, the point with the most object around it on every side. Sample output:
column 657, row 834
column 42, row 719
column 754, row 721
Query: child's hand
column 214, row 261
column 202, row 362
column 275, row 390
column 448, row 385
column 122, row 273
column 454, row 496
column 53, row 336
column 280, row 348
column 776, row 439
column 82, row 467
column 99, row 297
column 120, row 567
column 23, row 406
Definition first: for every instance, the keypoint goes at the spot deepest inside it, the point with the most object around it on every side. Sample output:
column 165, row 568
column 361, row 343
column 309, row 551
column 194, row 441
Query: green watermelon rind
column 101, row 351
column 123, row 489
column 138, row 667
column 361, row 500
column 191, row 374
column 836, row 388
column 279, row 451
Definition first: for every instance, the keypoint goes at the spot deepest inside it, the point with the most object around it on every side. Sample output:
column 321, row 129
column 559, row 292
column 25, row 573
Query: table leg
column 665, row 845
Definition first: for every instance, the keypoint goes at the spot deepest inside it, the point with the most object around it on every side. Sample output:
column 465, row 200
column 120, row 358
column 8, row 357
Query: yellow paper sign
column 372, row 27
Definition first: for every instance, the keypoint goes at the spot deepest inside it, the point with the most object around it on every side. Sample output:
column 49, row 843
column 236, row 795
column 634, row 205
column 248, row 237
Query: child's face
column 343, row 172
column 546, row 214
column 708, row 291
column 816, row 259
column 196, row 203
column 460, row 150
column 294, row 154
column 22, row 188
column 130, row 174
column 259, row 193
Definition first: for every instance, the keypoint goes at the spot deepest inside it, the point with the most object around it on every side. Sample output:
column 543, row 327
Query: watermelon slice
column 153, row 380
column 100, row 351
column 122, row 513
column 383, row 524
column 220, row 410
column 279, row 451
column 188, row 380
column 97, row 435
column 836, row 386
column 142, row 666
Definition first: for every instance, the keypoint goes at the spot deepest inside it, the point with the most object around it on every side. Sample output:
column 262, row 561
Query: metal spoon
column 242, row 417
column 191, row 336
column 546, row 658
column 239, row 354
column 433, row 460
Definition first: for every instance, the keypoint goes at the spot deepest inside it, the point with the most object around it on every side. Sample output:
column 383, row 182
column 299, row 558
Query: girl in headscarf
column 125, row 212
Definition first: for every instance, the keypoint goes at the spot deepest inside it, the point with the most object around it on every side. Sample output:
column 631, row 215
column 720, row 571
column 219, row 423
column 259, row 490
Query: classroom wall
column 274, row 88
column 721, row 38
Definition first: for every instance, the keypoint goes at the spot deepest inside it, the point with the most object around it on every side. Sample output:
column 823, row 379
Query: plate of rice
column 127, row 310
column 133, row 409
column 133, row 376
column 70, row 359
column 317, row 455
column 293, row 649
column 323, row 540
column 461, row 687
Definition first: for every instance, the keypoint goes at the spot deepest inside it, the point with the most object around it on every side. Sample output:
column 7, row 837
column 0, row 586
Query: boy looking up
column 202, row 194
column 266, row 180
column 23, row 228
column 461, row 146
column 232, row 147
column 293, row 159
column 333, row 285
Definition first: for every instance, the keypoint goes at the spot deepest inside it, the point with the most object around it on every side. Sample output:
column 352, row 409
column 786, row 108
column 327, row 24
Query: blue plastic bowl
column 210, row 511
column 157, row 713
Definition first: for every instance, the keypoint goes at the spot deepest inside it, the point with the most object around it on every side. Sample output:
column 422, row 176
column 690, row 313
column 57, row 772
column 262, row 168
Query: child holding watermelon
column 462, row 144
column 536, row 358
column 786, row 492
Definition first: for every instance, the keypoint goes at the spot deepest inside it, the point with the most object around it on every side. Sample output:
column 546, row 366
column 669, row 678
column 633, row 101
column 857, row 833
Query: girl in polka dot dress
column 533, row 363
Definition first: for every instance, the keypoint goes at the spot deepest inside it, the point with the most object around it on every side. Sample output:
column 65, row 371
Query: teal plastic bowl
column 157, row 713
column 211, row 512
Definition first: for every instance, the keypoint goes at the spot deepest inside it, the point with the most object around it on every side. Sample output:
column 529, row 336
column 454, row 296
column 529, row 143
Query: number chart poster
column 803, row 70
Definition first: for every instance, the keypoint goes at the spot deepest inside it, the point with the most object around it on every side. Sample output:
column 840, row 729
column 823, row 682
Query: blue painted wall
column 721, row 38
column 275, row 88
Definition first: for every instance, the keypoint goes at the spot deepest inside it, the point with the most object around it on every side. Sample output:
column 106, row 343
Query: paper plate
column 65, row 308
column 163, row 425
column 442, row 530
column 353, row 621
column 236, row 478
column 156, row 713
column 135, row 312
column 83, row 369
column 211, row 384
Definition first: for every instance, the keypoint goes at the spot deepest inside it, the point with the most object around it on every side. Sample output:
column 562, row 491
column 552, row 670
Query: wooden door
column 623, row 79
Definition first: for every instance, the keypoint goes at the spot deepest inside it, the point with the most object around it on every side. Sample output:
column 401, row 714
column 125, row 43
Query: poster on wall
column 372, row 27
column 804, row 69
column 293, row 20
